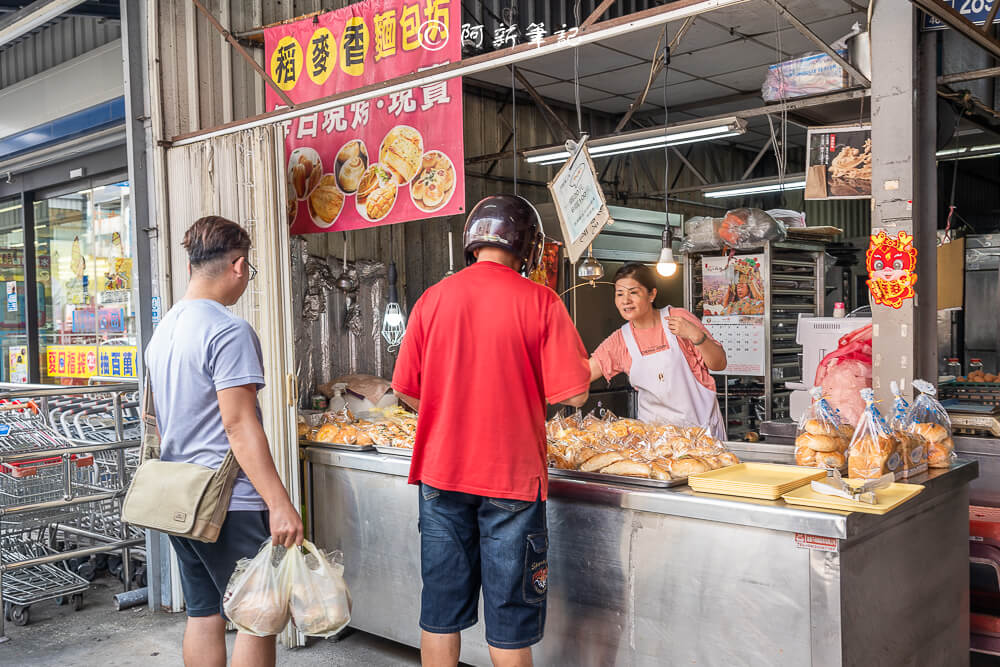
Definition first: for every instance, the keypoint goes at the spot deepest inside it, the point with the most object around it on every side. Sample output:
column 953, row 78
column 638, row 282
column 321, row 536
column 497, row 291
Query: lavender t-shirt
column 198, row 349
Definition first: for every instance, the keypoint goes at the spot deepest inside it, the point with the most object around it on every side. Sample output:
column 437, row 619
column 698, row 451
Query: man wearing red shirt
column 484, row 351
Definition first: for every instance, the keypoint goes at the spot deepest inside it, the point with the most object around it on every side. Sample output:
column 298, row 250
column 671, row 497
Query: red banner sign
column 389, row 159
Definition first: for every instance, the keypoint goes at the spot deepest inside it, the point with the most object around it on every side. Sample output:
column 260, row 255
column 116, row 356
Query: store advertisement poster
column 18, row 359
column 390, row 159
column 85, row 361
column 839, row 162
column 579, row 202
column 733, row 299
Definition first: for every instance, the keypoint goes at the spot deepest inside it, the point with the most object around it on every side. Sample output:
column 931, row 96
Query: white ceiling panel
column 758, row 16
column 725, row 58
column 614, row 105
column 501, row 77
column 751, row 78
column 629, row 79
column 564, row 91
column 792, row 41
column 594, row 59
column 642, row 43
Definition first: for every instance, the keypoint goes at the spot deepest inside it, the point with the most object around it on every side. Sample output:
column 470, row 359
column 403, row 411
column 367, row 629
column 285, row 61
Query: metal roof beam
column 33, row 16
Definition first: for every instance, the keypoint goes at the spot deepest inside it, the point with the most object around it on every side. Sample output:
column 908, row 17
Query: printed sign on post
column 394, row 158
column 579, row 201
column 733, row 294
column 18, row 357
column 839, row 162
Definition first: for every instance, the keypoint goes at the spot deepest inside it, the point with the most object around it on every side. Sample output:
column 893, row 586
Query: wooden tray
column 888, row 498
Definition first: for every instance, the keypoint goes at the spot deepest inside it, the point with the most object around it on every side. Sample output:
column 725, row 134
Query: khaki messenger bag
column 182, row 499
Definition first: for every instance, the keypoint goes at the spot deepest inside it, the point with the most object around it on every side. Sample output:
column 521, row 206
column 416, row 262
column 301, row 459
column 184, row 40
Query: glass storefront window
column 84, row 273
column 13, row 325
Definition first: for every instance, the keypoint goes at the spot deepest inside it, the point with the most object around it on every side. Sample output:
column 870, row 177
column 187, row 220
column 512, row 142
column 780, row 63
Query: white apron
column 669, row 393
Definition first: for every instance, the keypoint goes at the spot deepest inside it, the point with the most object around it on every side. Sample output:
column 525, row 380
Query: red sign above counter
column 383, row 160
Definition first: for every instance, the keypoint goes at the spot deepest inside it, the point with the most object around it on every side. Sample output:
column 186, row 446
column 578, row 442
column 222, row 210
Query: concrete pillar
column 903, row 191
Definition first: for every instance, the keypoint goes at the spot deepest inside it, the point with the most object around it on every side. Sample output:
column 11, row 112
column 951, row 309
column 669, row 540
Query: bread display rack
column 67, row 455
column 793, row 277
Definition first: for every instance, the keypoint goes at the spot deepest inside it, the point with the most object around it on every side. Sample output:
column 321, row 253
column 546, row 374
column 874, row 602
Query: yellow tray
column 767, row 481
column 888, row 498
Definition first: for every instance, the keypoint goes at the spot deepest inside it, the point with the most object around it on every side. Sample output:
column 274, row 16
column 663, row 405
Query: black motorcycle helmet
column 508, row 222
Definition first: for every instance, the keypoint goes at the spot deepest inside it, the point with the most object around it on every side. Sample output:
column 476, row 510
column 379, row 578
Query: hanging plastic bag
column 256, row 597
column 320, row 603
column 787, row 217
column 912, row 447
column 701, row 235
column 928, row 418
column 749, row 228
column 845, row 371
column 819, row 442
column 873, row 451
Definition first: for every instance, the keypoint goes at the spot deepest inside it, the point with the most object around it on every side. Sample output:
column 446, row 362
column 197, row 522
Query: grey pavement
column 99, row 636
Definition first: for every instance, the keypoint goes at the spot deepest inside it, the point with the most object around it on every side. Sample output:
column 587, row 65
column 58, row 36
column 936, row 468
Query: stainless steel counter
column 644, row 576
column 985, row 489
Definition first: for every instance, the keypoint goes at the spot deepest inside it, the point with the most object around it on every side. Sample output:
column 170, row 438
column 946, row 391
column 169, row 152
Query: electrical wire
column 576, row 72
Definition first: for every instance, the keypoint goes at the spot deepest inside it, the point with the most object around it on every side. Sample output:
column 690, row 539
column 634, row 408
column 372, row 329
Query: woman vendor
column 667, row 354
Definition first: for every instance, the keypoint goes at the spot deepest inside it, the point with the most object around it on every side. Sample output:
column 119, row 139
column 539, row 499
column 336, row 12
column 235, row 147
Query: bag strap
column 229, row 467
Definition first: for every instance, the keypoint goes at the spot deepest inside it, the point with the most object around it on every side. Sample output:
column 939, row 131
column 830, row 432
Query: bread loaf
column 627, row 468
column 819, row 427
column 600, row 461
column 820, row 443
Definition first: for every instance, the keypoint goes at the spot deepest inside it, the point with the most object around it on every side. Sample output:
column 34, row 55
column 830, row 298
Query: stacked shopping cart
column 67, row 455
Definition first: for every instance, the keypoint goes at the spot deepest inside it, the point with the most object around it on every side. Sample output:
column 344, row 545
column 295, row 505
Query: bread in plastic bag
column 912, row 447
column 819, row 442
column 928, row 418
column 749, row 228
column 256, row 597
column 873, row 451
column 701, row 234
column 320, row 603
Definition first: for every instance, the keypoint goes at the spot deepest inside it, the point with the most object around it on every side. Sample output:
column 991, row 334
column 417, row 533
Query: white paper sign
column 579, row 202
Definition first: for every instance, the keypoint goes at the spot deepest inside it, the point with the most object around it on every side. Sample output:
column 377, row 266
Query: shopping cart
column 25, row 584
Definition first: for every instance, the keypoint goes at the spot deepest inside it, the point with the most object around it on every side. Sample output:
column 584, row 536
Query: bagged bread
column 873, row 451
column 928, row 418
column 256, row 597
column 320, row 603
column 912, row 446
column 819, row 442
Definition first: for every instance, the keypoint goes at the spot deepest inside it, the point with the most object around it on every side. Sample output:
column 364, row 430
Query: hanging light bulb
column 590, row 269
column 665, row 265
column 393, row 322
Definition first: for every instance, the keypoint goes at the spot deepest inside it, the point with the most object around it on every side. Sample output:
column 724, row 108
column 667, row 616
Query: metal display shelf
column 794, row 285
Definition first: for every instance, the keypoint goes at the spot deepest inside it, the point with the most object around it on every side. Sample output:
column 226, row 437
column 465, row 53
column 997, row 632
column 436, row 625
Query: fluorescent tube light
column 643, row 140
column 798, row 183
column 961, row 152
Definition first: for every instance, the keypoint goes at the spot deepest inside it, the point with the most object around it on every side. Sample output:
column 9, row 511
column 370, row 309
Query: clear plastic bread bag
column 256, row 597
column 873, row 451
column 320, row 602
column 912, row 447
column 818, row 439
column 928, row 418
column 749, row 228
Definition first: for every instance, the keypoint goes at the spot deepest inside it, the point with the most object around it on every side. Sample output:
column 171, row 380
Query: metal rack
column 67, row 455
column 793, row 275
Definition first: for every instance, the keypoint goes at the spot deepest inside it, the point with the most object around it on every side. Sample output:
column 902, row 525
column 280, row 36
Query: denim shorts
column 206, row 567
column 468, row 542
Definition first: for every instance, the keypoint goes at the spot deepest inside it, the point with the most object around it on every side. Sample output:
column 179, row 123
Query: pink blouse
column 614, row 358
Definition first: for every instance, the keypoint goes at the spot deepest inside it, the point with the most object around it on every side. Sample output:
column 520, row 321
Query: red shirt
column 483, row 351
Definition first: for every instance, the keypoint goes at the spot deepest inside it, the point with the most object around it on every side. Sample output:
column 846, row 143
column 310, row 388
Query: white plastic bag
column 320, row 603
column 256, row 598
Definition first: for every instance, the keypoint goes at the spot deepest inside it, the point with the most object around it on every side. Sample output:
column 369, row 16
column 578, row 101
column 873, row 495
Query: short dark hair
column 213, row 237
column 640, row 273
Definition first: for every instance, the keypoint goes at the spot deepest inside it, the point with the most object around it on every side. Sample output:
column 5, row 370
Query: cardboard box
column 950, row 275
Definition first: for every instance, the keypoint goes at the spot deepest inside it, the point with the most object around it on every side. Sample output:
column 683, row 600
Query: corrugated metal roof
column 54, row 44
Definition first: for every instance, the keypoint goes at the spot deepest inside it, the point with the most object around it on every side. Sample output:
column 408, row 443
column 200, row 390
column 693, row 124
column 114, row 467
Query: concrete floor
column 99, row 636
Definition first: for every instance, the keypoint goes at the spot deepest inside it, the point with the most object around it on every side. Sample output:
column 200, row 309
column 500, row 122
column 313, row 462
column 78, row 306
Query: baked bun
column 830, row 460
column 303, row 429
column 805, row 457
column 580, row 455
column 846, row 432
column 939, row 453
column 659, row 470
column 328, row 433
column 728, row 459
column 627, row 468
column 687, row 466
column 821, row 443
column 818, row 427
column 600, row 461
column 931, row 432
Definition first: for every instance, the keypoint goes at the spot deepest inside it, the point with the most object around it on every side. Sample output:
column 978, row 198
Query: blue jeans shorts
column 468, row 542
column 206, row 567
